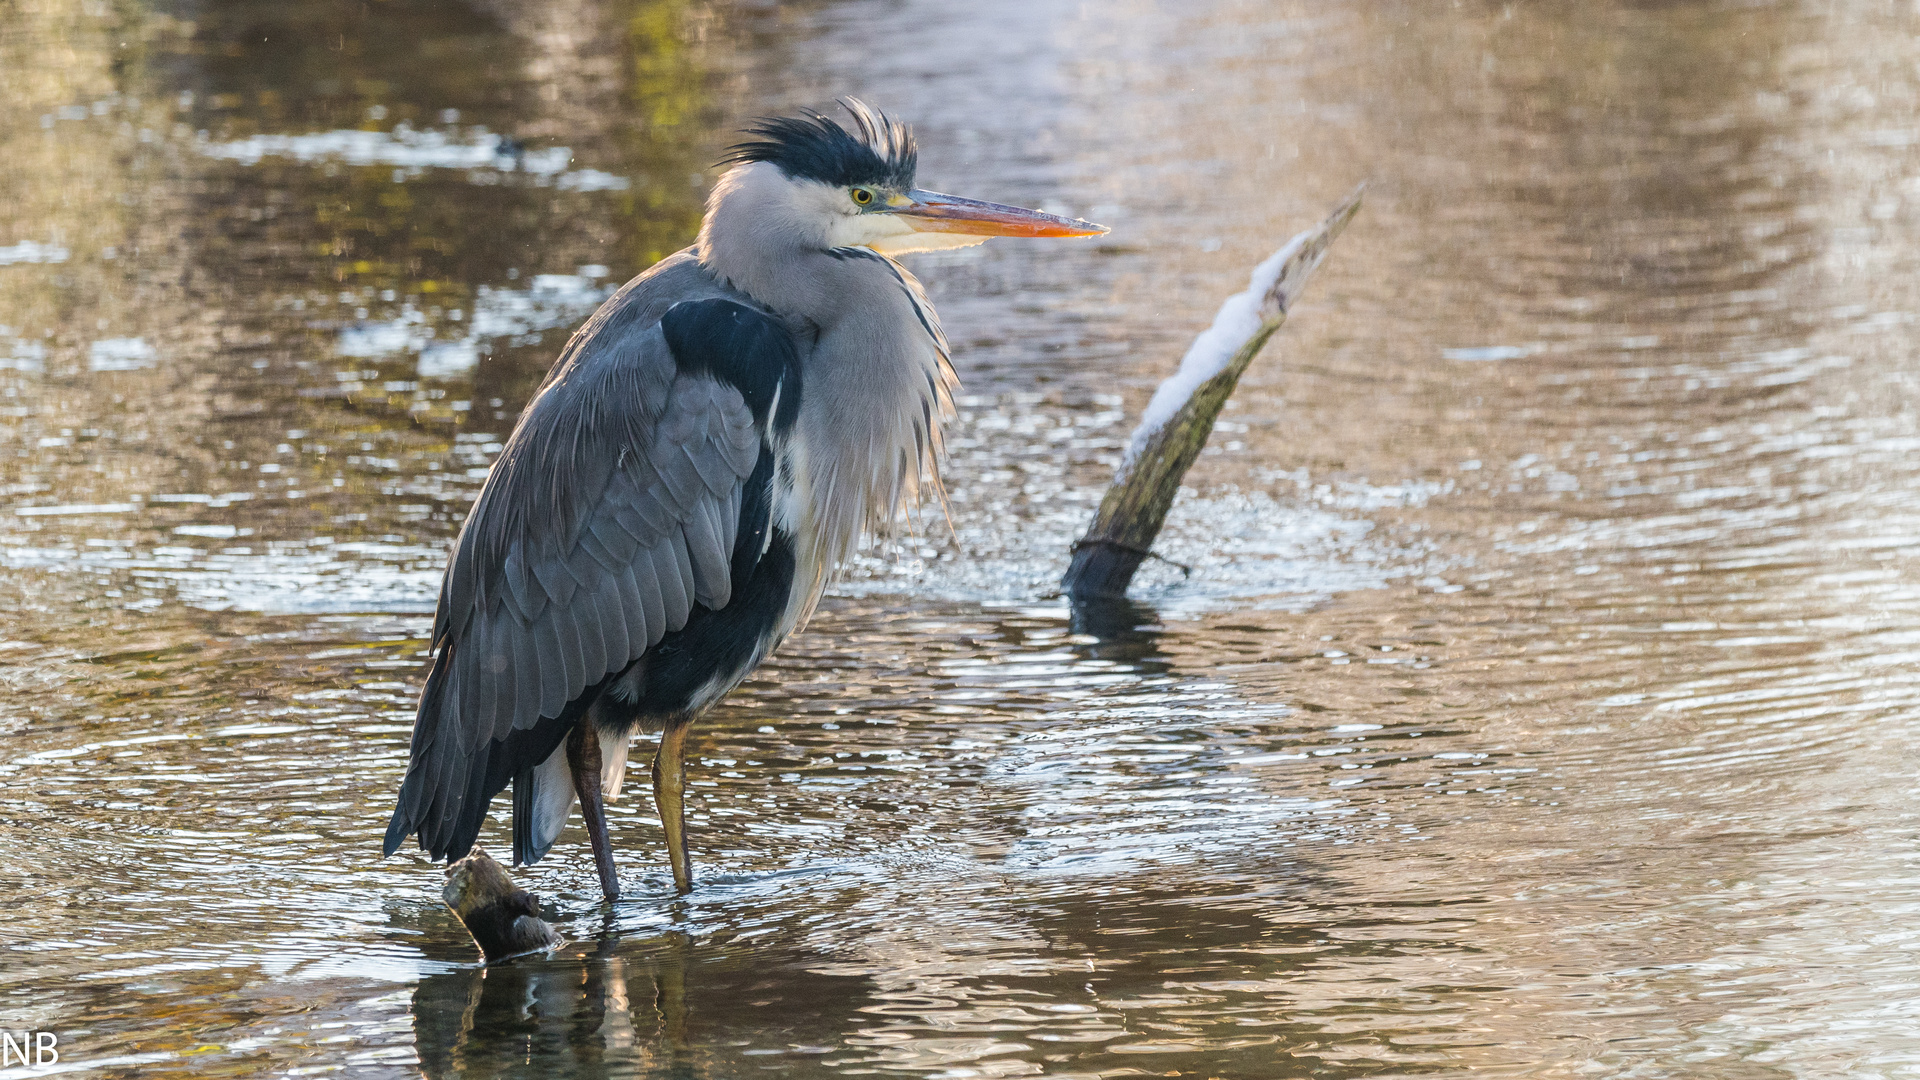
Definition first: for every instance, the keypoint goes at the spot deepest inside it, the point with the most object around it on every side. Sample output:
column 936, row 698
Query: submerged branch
column 1180, row 417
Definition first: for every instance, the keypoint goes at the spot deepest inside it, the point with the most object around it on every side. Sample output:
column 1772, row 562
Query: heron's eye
column 862, row 197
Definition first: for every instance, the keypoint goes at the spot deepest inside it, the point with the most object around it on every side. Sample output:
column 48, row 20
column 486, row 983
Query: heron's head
column 833, row 187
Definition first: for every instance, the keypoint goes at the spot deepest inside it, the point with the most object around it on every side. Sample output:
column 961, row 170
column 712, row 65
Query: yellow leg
column 669, row 794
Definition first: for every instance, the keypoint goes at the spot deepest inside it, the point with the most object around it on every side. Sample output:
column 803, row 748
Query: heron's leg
column 669, row 793
column 583, row 757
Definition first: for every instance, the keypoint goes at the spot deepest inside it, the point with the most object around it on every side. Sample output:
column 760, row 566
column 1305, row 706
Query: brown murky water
column 1543, row 700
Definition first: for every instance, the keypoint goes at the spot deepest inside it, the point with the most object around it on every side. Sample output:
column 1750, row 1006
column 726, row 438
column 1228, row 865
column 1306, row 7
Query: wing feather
column 607, row 614
column 653, row 599
column 680, row 483
column 523, row 592
column 730, row 516
column 505, row 671
column 603, row 555
column 653, row 505
column 710, row 462
column 645, row 612
column 555, row 581
column 683, row 562
column 612, row 512
column 673, row 591
column 593, row 639
column 522, row 653
column 712, row 585
column 558, row 686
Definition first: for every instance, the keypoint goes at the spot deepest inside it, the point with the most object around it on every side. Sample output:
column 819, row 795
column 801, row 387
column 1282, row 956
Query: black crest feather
column 815, row 147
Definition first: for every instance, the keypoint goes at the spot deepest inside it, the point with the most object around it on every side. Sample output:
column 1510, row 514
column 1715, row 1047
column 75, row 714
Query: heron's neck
column 874, row 388
column 761, row 237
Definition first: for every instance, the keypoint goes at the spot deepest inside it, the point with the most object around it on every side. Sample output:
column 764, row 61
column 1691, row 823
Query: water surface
column 1541, row 701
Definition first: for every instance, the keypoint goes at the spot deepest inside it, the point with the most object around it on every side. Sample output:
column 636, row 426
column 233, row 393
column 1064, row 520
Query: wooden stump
column 1181, row 415
column 503, row 919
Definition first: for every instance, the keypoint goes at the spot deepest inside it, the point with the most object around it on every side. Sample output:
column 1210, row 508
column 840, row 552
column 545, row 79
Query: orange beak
column 930, row 211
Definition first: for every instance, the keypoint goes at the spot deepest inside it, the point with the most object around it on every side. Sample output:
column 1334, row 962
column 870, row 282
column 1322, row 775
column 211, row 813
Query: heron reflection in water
column 709, row 447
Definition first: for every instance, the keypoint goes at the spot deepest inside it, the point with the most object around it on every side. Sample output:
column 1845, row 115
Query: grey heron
column 706, row 450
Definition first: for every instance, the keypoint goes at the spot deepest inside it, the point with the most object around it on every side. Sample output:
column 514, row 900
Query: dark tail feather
column 522, row 815
column 398, row 826
column 476, row 794
column 444, row 798
column 516, row 758
column 427, row 724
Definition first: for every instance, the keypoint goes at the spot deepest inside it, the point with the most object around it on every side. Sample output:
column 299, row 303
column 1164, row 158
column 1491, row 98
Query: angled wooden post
column 1180, row 417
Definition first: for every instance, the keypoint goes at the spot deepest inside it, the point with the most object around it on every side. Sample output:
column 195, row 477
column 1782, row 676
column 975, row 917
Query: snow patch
column 1238, row 319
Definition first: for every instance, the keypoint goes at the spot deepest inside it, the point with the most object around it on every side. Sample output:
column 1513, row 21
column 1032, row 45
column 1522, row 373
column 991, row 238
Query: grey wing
column 612, row 511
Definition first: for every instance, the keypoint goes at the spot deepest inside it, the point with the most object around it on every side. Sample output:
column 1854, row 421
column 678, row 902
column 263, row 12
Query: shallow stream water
column 1542, row 700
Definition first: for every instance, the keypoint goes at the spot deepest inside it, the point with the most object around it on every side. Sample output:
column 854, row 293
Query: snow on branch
column 1180, row 417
